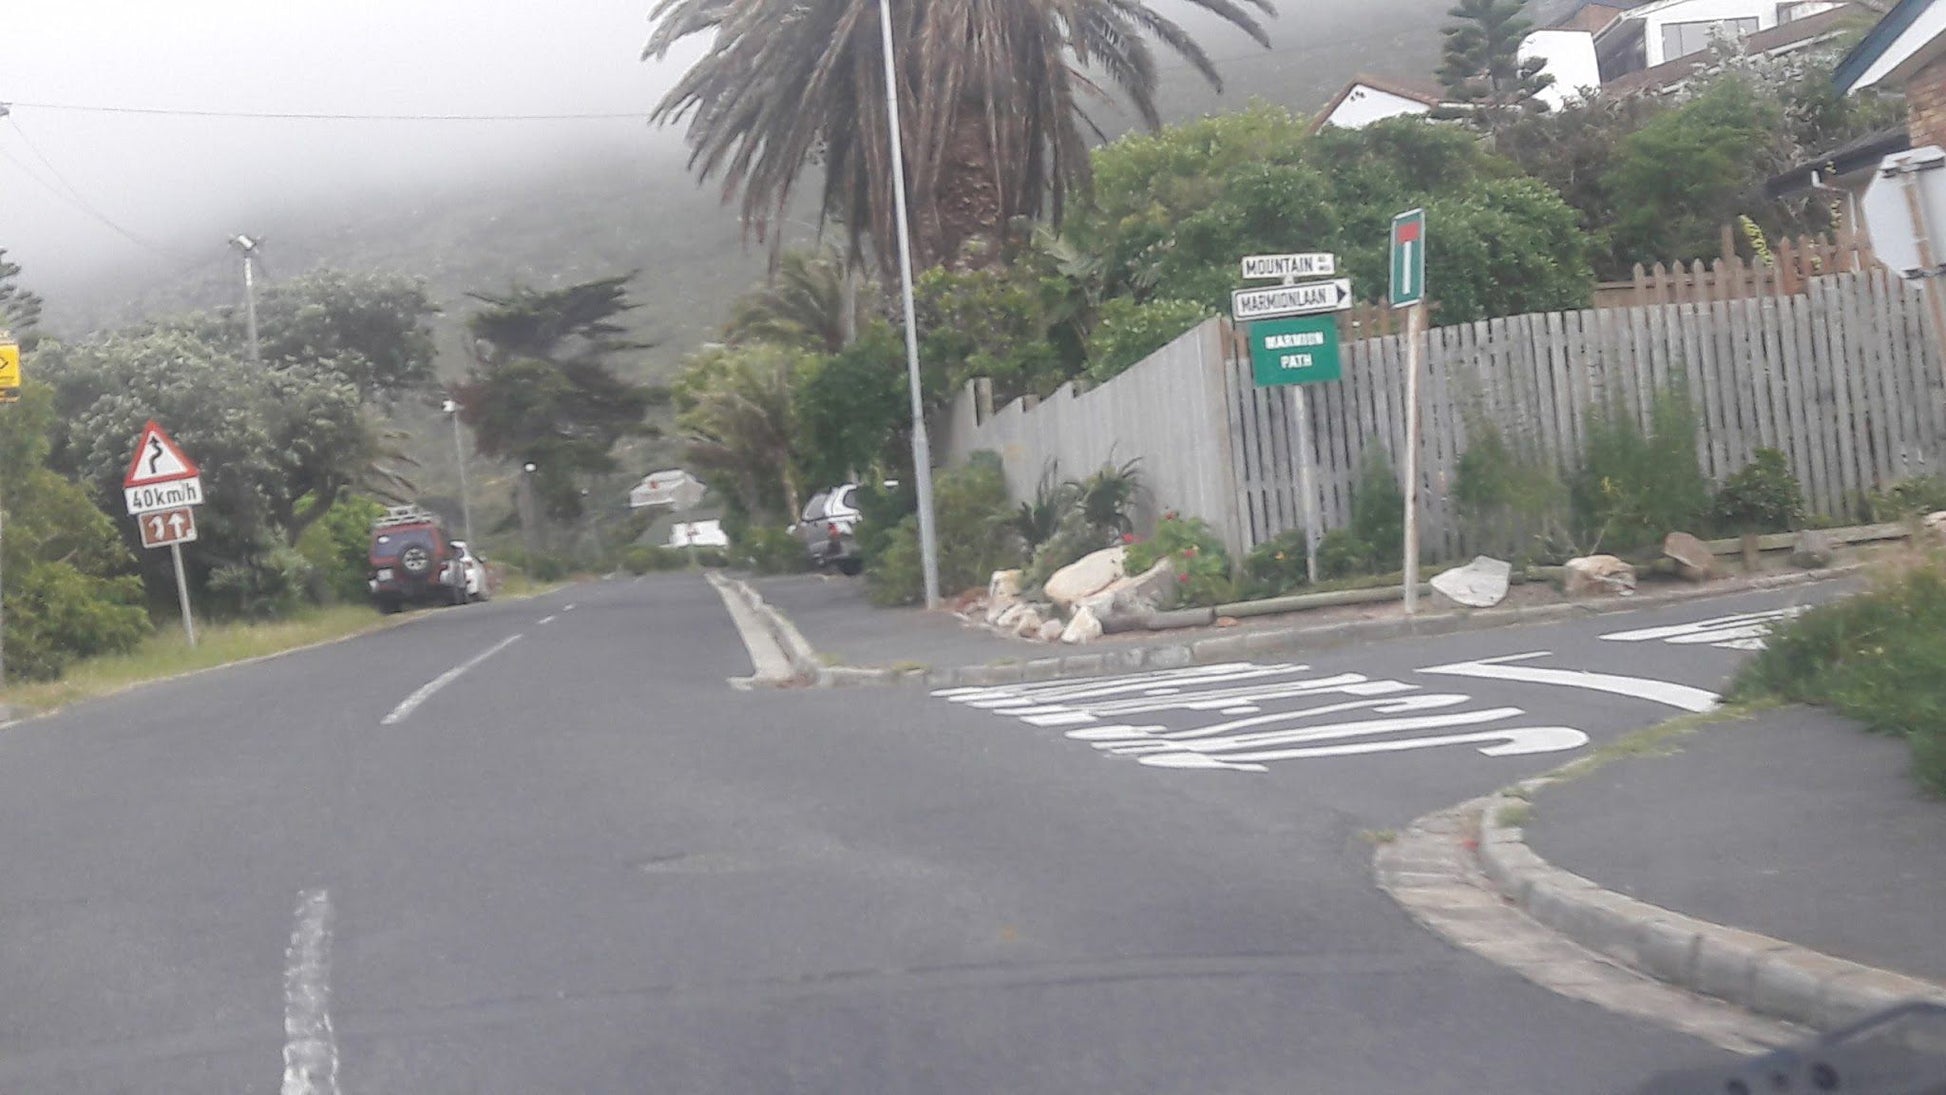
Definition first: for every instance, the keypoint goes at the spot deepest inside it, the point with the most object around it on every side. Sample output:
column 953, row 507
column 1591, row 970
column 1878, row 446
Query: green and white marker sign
column 1298, row 350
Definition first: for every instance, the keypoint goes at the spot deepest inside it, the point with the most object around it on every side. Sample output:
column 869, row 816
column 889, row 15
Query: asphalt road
column 585, row 864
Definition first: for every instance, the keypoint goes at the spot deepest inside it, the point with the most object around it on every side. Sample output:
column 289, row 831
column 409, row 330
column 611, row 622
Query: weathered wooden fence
column 1841, row 376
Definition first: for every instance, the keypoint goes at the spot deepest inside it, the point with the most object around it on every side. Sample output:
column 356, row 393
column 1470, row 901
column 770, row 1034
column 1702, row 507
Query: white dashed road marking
column 412, row 702
column 545, row 620
column 310, row 1046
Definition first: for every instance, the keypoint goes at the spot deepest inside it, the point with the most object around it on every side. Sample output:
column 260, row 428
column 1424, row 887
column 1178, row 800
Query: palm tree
column 812, row 302
column 989, row 104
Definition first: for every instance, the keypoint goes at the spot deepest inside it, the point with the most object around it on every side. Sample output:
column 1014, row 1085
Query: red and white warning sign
column 160, row 475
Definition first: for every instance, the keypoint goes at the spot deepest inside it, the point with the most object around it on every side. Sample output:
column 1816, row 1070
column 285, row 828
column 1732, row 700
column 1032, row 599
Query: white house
column 1367, row 99
column 1659, row 44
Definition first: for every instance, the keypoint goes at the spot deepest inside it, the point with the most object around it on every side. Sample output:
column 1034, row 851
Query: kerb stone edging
column 1108, row 658
column 1473, row 880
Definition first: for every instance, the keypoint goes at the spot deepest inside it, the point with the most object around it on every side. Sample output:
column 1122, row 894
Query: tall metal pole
column 247, row 247
column 1415, row 319
column 921, row 447
column 459, row 456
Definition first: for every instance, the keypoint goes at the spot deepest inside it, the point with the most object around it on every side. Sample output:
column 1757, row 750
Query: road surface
column 542, row 846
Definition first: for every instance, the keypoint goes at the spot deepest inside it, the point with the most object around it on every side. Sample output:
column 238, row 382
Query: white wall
column 1700, row 11
column 1929, row 25
column 1366, row 105
column 1571, row 61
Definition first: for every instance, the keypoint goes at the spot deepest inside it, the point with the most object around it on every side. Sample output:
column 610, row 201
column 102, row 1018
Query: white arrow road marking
column 1496, row 669
column 1357, row 729
column 425, row 693
column 1535, row 739
column 310, row 1046
column 1744, row 631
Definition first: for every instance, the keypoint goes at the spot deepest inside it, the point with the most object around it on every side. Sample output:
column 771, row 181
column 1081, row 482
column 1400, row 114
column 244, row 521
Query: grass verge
column 168, row 654
column 1879, row 657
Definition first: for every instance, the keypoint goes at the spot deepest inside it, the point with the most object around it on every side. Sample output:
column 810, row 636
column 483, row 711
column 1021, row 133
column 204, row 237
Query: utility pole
column 921, row 447
column 247, row 247
column 451, row 407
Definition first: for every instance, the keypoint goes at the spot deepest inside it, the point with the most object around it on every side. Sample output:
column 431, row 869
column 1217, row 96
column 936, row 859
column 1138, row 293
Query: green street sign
column 1408, row 258
column 1299, row 350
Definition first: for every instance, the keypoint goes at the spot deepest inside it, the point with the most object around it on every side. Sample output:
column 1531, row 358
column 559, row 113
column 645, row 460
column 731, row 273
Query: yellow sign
column 9, row 365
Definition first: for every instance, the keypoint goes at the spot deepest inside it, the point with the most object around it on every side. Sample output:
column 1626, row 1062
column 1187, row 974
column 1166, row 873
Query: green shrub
column 1094, row 513
column 1276, row 566
column 1913, row 497
column 1875, row 657
column 648, row 558
column 56, row 615
column 1341, row 554
column 1634, row 488
column 338, row 548
column 267, row 586
column 1038, row 521
column 1378, row 510
column 769, row 551
column 880, row 509
column 1509, row 502
column 1762, row 496
column 1202, row 566
column 973, row 526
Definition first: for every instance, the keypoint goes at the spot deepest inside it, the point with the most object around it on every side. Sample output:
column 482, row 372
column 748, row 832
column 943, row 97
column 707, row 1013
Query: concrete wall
column 1366, row 105
column 1171, row 411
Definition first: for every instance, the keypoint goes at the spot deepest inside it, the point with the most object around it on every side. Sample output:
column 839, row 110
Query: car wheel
column 387, row 606
column 851, row 567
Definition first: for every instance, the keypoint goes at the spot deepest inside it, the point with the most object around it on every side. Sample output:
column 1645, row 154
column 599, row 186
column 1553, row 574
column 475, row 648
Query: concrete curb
column 1768, row 976
column 1108, row 658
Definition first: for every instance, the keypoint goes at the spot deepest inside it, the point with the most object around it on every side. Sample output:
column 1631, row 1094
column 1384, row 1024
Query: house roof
column 1852, row 156
column 1419, row 91
column 1878, row 42
column 1777, row 39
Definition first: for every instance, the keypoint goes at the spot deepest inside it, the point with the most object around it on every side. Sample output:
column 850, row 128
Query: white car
column 478, row 585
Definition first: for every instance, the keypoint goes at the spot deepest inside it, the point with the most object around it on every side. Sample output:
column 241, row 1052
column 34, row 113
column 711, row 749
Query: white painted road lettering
column 1097, row 710
column 1744, row 631
column 1501, row 669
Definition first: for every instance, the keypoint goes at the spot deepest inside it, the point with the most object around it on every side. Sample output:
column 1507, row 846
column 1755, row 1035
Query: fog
column 90, row 200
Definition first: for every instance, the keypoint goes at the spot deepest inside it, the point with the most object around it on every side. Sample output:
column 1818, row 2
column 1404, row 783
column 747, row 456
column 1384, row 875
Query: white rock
column 1088, row 575
column 1936, row 521
column 1009, row 617
column 1481, row 583
column 1694, row 562
column 1599, row 574
column 1050, row 631
column 1028, row 624
column 1082, row 628
column 1135, row 593
column 1005, row 583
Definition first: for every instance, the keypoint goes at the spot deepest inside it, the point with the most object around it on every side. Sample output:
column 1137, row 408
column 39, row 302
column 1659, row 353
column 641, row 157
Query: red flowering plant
column 1202, row 566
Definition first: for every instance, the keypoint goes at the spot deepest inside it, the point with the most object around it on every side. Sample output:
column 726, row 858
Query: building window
column 1798, row 9
column 1683, row 39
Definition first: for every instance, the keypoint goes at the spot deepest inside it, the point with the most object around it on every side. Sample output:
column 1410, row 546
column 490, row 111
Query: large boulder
column 1481, row 583
column 1009, row 617
column 1132, row 592
column 1003, row 592
column 1087, row 575
column 1051, row 630
column 1936, row 524
column 1693, row 558
column 1812, row 550
column 1027, row 625
column 1082, row 628
column 1598, row 574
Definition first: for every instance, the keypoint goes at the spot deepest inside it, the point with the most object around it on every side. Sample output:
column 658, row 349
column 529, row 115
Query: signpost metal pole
column 1307, row 481
column 1414, row 329
column 921, row 446
column 182, row 595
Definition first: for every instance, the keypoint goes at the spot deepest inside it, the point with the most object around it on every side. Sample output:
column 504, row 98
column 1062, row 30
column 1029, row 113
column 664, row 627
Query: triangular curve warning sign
column 158, row 459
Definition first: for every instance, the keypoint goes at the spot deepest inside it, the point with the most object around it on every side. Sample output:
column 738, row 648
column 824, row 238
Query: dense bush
column 769, row 551
column 1875, row 657
column 56, row 615
column 1126, row 332
column 1092, row 513
column 1510, row 503
column 1634, row 488
column 1341, row 554
column 649, row 558
column 1276, row 566
column 266, row 586
column 1378, row 510
column 1201, row 565
column 338, row 548
column 973, row 526
column 1762, row 496
column 1913, row 497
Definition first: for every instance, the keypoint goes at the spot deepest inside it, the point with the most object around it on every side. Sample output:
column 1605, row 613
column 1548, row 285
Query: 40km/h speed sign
column 169, row 526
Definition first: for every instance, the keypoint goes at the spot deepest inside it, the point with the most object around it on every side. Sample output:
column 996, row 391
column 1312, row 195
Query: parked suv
column 826, row 528
column 412, row 561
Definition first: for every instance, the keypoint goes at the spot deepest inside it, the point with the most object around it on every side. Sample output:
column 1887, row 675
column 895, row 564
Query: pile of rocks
column 1081, row 601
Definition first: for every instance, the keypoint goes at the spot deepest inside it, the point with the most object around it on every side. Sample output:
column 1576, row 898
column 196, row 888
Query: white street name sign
column 1291, row 300
column 1307, row 264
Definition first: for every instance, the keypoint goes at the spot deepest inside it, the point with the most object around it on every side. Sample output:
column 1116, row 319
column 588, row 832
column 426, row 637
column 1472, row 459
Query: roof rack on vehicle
column 405, row 515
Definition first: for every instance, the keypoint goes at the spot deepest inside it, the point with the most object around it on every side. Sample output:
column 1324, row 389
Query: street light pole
column 248, row 248
column 526, row 503
column 459, row 456
column 921, row 446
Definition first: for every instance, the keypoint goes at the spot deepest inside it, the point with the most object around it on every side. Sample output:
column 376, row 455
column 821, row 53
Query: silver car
column 826, row 527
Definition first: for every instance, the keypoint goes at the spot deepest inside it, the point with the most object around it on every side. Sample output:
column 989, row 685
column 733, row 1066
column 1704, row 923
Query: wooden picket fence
column 1790, row 267
column 1840, row 374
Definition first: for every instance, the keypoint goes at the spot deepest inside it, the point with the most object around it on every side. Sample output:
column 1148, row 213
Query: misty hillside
column 568, row 220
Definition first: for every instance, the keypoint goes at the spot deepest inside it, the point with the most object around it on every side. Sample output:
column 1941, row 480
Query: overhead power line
column 308, row 116
column 68, row 194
